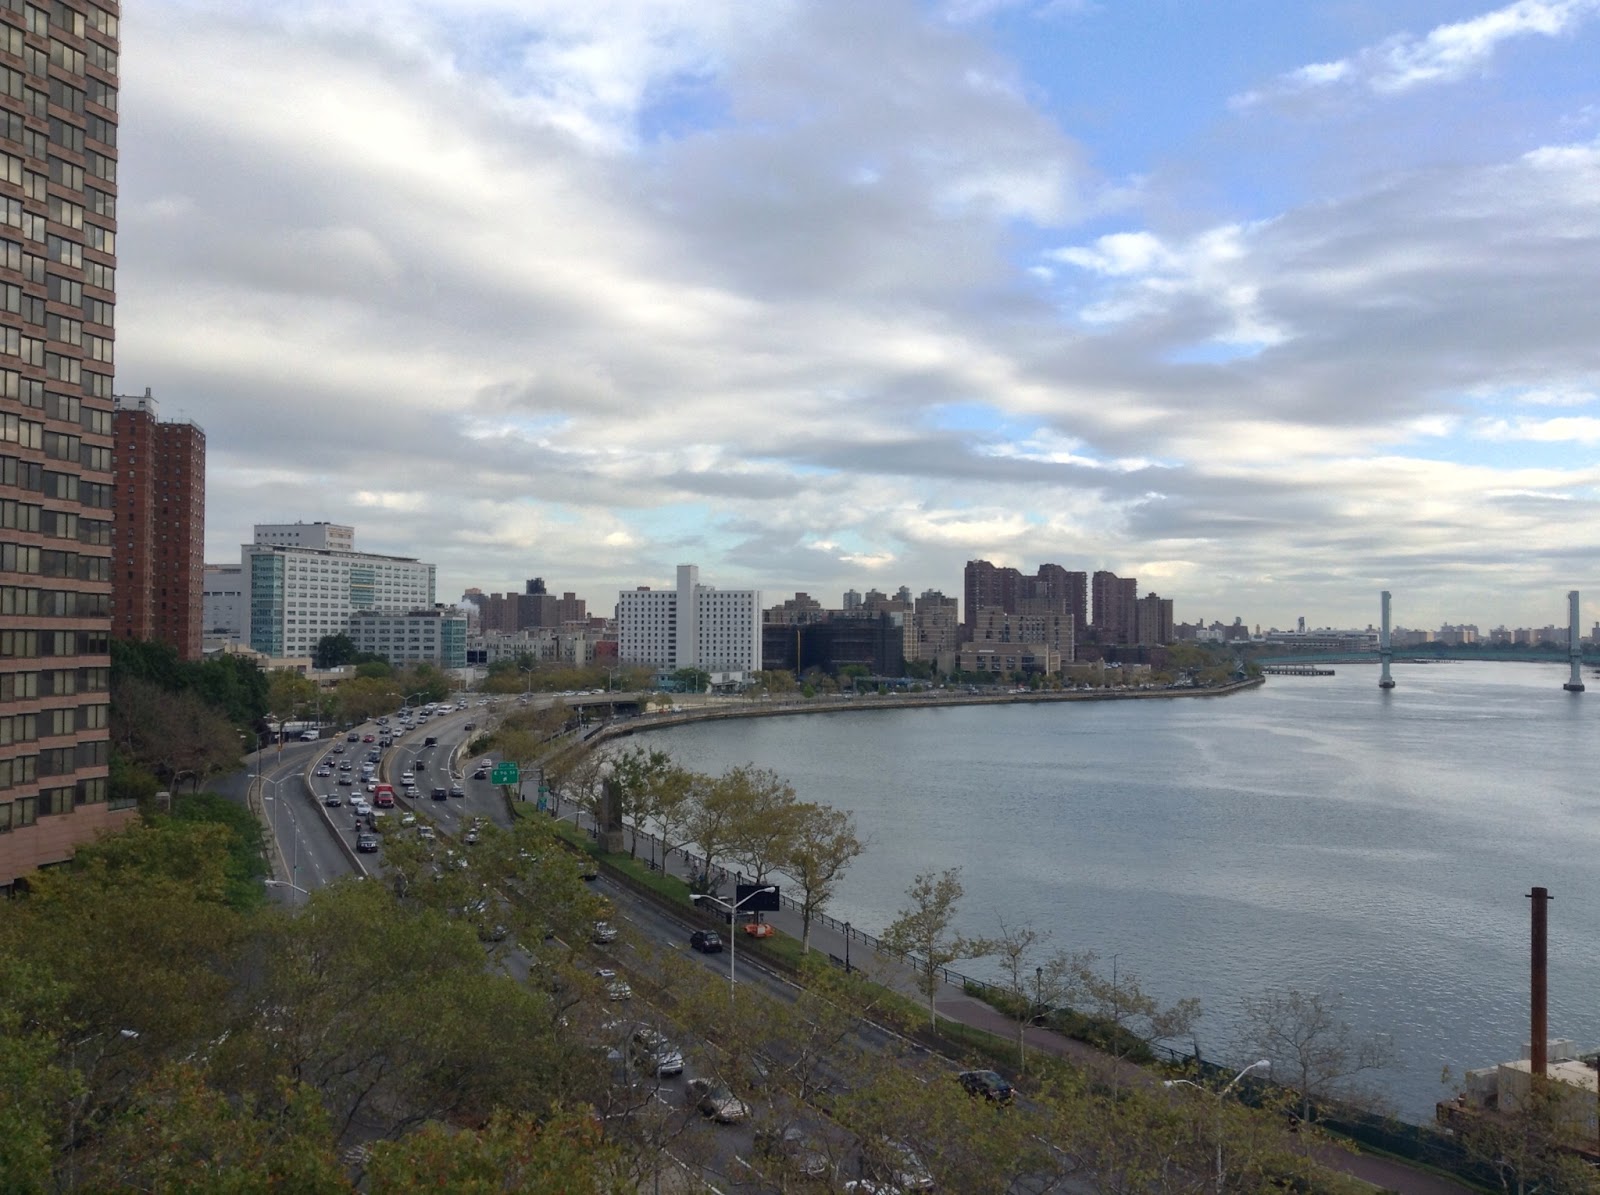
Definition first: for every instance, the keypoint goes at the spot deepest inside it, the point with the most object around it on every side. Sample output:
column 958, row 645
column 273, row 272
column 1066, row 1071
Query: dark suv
column 988, row 1084
column 440, row 794
column 706, row 941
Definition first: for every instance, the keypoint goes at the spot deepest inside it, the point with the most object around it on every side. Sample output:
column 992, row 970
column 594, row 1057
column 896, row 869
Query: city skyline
column 823, row 296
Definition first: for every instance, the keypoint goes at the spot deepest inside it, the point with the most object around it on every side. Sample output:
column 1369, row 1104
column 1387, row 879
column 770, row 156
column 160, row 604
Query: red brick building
column 58, row 171
column 158, row 555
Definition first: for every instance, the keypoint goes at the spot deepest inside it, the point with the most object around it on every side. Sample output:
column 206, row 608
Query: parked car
column 796, row 1150
column 895, row 1164
column 616, row 987
column 707, row 941
column 367, row 844
column 989, row 1084
column 652, row 1052
column 715, row 1099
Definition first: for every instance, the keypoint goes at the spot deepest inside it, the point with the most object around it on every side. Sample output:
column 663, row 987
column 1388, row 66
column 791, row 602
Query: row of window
column 47, row 562
column 58, row 682
column 25, row 811
column 33, row 476
column 27, row 644
column 52, row 724
column 60, row 603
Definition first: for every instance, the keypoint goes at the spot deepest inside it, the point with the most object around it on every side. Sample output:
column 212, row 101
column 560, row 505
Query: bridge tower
column 1384, row 654
column 1574, row 651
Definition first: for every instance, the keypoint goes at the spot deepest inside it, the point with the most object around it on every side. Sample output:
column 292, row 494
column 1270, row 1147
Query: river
column 1314, row 833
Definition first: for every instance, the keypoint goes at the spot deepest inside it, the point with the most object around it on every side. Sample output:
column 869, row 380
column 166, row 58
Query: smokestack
column 1539, row 986
column 1574, row 651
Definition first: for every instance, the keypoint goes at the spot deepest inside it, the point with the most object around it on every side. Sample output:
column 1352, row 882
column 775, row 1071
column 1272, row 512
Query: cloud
column 1446, row 54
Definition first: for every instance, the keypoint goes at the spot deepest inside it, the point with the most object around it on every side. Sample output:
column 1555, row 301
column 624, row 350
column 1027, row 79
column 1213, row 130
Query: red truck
column 383, row 796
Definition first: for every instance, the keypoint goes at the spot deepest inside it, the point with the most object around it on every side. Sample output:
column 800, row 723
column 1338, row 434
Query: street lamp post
column 1261, row 1064
column 847, row 948
column 733, row 926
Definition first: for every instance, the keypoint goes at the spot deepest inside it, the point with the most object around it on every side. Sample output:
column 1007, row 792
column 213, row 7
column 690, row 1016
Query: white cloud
column 1445, row 54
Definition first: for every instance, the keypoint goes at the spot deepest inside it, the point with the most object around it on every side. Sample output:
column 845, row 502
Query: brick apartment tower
column 58, row 208
column 158, row 555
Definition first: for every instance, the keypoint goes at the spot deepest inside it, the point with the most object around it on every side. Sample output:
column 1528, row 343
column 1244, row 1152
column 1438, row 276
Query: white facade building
column 693, row 626
column 414, row 637
column 224, row 603
column 299, row 595
column 334, row 537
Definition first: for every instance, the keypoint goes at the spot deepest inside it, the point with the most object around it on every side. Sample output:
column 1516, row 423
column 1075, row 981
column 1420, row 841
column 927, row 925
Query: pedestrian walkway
column 954, row 1004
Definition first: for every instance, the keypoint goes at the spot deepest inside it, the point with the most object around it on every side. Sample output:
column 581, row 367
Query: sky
column 1271, row 306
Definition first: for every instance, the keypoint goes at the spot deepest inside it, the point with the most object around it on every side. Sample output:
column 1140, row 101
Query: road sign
column 506, row 772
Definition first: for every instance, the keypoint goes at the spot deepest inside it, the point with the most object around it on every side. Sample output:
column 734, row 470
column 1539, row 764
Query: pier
column 1295, row 670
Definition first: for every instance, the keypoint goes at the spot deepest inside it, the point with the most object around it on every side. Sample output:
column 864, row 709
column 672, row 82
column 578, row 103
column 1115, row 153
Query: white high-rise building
column 693, row 626
column 298, row 595
column 334, row 537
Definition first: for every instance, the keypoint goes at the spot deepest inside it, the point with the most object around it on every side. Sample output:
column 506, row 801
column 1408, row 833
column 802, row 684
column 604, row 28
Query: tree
column 636, row 772
column 712, row 820
column 513, row 1152
column 333, row 651
column 671, row 806
column 763, row 824
column 922, row 933
column 290, row 695
column 1132, row 1016
column 823, row 844
column 692, row 680
column 1312, row 1048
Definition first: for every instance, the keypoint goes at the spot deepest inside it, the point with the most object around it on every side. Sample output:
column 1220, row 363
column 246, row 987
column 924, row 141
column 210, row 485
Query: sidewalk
column 954, row 1004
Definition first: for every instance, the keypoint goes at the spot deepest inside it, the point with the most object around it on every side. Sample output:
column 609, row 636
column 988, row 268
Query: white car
column 407, row 777
column 616, row 987
column 361, row 805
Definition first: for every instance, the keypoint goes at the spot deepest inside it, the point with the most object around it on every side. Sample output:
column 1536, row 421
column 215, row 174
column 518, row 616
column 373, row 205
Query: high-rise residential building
column 691, row 626
column 1052, row 590
column 1153, row 623
column 158, row 552
column 1115, row 620
column 935, row 630
column 58, row 205
column 299, row 595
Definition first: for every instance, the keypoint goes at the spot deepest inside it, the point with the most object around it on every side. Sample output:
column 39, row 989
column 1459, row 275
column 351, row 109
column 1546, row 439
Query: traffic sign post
column 506, row 772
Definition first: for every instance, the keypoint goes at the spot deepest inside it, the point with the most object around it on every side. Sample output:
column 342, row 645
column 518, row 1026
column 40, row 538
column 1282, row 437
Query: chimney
column 1539, row 987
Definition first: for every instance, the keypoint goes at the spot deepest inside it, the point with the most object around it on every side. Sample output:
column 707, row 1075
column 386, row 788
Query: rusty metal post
column 1539, row 985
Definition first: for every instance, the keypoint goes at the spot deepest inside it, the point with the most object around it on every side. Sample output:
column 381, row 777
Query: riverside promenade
column 953, row 1003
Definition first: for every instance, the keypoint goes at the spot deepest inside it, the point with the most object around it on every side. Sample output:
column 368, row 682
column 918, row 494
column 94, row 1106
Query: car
column 407, row 776
column 469, row 726
column 441, row 794
column 337, row 748
column 346, row 781
column 374, row 756
column 652, row 1052
column 309, row 736
column 410, row 790
column 616, row 987
column 323, row 770
column 486, row 763
column 430, row 741
column 457, row 791
column 361, row 805
column 991, row 1085
column 604, row 933
column 383, row 721
column 333, row 800
column 715, row 1099
column 369, row 738
column 367, row 844
column 707, row 941
column 352, row 737
column 408, row 818
column 481, row 774
column 426, row 833
column 470, row 838
column 588, row 869
column 796, row 1150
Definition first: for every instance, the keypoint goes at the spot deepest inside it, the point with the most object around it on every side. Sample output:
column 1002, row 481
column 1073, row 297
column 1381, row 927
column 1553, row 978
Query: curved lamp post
column 1261, row 1064
column 733, row 927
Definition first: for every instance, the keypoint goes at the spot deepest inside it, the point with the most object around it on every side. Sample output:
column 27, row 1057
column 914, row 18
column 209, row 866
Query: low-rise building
column 437, row 636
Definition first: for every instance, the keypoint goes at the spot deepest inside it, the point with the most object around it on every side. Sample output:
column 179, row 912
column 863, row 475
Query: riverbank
column 713, row 709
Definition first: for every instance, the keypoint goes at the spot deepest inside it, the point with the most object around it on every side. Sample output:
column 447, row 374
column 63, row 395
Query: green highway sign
column 506, row 773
